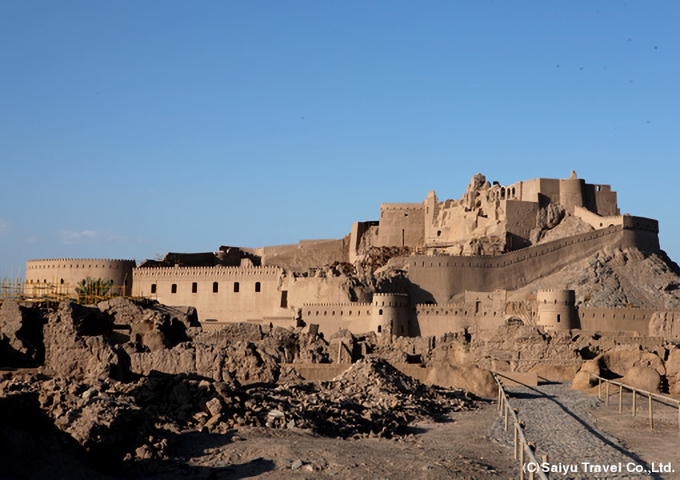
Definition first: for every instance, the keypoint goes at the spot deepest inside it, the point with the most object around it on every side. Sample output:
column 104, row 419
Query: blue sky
column 130, row 129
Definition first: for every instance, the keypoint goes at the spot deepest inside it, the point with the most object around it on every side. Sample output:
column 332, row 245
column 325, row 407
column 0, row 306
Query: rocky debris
column 616, row 277
column 547, row 219
column 114, row 420
column 470, row 377
column 242, row 362
column 377, row 257
column 672, row 365
column 665, row 324
column 150, row 323
column 76, row 345
column 371, row 398
column 21, row 334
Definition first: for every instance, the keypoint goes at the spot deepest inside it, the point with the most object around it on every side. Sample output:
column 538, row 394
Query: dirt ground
column 459, row 448
column 659, row 446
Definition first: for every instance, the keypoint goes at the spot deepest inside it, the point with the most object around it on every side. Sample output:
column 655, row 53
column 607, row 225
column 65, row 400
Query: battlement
column 216, row 271
column 78, row 263
column 401, row 206
column 337, row 304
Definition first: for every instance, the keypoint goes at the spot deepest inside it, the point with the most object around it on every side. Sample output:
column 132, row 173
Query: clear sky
column 133, row 128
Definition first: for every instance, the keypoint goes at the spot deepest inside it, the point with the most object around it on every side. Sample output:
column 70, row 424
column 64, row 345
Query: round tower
column 62, row 275
column 571, row 192
column 556, row 310
column 390, row 314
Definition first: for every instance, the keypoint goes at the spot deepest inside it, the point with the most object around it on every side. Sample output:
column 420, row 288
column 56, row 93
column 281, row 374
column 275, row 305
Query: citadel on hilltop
column 447, row 266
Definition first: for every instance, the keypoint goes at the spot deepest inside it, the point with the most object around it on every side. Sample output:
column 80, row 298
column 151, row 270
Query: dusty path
column 559, row 421
column 460, row 448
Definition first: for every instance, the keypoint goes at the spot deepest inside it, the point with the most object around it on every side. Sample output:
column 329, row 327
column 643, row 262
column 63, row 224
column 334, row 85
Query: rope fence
column 651, row 397
column 523, row 450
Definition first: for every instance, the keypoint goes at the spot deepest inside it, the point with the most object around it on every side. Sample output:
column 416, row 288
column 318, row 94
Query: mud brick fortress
column 456, row 266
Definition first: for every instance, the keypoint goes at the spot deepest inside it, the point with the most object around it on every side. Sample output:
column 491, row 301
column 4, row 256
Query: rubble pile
column 115, row 420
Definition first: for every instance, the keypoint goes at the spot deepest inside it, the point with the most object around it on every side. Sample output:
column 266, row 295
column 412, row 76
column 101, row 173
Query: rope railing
column 523, row 450
column 651, row 396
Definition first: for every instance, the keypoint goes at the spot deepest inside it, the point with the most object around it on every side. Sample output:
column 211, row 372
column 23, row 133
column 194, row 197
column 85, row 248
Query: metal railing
column 523, row 450
column 650, row 395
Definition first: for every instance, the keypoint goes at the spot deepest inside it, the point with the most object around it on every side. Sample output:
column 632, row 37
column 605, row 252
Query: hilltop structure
column 446, row 266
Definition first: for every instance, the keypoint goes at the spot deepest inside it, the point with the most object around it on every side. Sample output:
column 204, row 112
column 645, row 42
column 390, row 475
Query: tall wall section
column 224, row 294
column 401, row 225
column 62, row 275
column 439, row 278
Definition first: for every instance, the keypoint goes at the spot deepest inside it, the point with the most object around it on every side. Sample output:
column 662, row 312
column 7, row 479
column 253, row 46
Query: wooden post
column 521, row 461
column 515, row 449
column 499, row 399
column 634, row 399
column 506, row 417
column 606, row 402
column 599, row 389
column 544, row 460
column 620, row 398
column 651, row 414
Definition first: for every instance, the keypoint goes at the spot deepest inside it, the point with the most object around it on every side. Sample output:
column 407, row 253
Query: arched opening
column 236, row 287
column 194, row 287
column 257, row 286
column 153, row 288
column 380, row 312
column 173, row 288
column 216, row 287
column 379, row 328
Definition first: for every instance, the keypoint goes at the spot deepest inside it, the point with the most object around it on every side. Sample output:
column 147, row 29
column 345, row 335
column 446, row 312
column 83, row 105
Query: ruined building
column 447, row 266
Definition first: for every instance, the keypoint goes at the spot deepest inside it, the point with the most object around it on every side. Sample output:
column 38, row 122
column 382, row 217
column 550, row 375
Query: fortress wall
column 438, row 279
column 597, row 221
column 528, row 190
column 437, row 320
column 615, row 319
column 307, row 254
column 550, row 188
column 227, row 294
column 331, row 317
column 401, row 224
column 62, row 275
column 520, row 217
column 303, row 290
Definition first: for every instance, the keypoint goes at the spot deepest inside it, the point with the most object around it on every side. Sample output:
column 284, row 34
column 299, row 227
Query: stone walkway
column 558, row 421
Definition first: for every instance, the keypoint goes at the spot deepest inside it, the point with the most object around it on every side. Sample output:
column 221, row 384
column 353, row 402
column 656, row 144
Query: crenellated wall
column 439, row 278
column 62, row 275
column 331, row 317
column 615, row 319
